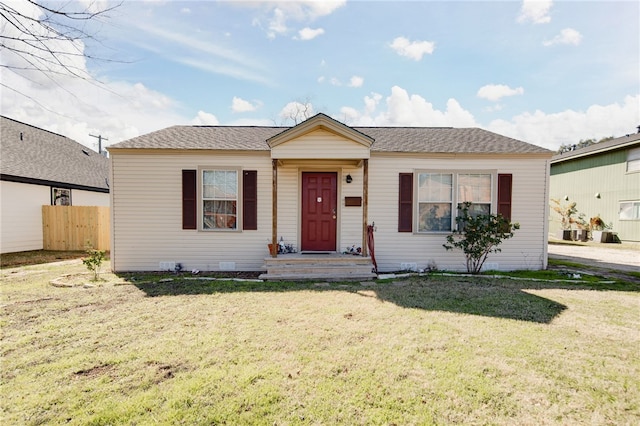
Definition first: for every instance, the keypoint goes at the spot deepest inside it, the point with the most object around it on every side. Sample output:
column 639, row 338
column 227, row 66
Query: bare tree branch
column 49, row 42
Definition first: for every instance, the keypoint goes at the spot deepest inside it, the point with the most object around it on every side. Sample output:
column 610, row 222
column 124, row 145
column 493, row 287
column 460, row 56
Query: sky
column 545, row 72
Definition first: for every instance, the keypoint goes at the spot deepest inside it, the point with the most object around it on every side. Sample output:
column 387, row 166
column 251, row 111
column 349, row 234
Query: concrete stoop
column 327, row 267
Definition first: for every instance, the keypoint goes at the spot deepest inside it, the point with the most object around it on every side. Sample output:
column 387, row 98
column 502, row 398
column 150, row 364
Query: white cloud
column 356, row 81
column 536, row 11
column 281, row 12
column 59, row 59
column 566, row 36
column 495, row 92
column 412, row 49
column 309, row 33
column 240, row 105
column 204, row 119
column 198, row 52
column 321, row 79
column 551, row 130
column 403, row 109
column 335, row 82
column 74, row 106
column 277, row 24
column 185, row 11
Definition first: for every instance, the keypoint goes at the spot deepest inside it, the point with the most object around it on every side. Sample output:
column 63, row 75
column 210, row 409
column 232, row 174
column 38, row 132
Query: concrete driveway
column 622, row 257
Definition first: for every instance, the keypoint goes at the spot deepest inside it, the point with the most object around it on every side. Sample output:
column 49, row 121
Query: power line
column 100, row 139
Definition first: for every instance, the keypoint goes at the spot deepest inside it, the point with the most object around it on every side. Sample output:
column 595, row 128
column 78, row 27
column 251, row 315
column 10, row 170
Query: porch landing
column 315, row 266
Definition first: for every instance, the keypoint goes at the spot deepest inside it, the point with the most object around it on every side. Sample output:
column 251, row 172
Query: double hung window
column 435, row 198
column 219, row 199
column 440, row 195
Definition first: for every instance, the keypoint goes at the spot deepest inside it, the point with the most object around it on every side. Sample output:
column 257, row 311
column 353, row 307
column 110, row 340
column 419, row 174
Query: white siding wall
column 21, row 213
column 21, row 216
column 89, row 198
column 527, row 250
column 147, row 214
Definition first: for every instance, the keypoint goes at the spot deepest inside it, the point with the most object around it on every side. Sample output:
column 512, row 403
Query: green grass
column 419, row 350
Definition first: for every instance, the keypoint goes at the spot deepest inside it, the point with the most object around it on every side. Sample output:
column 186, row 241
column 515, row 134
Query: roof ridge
column 37, row 128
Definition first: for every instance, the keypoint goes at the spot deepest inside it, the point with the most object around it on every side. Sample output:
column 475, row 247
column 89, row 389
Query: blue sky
column 546, row 72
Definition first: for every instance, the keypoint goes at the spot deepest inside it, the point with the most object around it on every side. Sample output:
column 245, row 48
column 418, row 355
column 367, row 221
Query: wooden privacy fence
column 71, row 227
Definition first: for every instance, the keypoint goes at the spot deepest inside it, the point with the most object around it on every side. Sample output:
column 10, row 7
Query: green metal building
column 602, row 179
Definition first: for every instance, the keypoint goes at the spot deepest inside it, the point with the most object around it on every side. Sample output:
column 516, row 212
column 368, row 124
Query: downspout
column 365, row 206
column 274, row 208
column 545, row 224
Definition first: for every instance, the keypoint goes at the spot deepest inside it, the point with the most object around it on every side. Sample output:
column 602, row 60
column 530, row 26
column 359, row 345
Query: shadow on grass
column 490, row 298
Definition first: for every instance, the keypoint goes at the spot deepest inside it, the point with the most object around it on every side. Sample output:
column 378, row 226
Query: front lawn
column 140, row 349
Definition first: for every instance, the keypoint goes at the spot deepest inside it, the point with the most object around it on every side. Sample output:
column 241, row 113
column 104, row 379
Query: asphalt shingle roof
column 387, row 139
column 610, row 145
column 45, row 156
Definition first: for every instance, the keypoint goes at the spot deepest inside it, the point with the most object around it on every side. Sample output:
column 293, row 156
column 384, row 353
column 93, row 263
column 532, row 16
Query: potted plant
column 567, row 213
column 600, row 231
column 584, row 228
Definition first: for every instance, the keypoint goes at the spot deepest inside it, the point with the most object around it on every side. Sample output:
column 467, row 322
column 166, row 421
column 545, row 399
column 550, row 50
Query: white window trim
column 454, row 201
column 633, row 158
column 620, row 210
column 200, row 199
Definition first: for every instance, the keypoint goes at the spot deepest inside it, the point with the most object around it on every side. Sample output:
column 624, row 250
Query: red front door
column 319, row 211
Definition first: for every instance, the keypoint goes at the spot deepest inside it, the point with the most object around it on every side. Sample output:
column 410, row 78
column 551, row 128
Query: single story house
column 603, row 180
column 37, row 168
column 213, row 197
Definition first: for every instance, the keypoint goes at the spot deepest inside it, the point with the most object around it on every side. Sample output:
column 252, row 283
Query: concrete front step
column 332, row 267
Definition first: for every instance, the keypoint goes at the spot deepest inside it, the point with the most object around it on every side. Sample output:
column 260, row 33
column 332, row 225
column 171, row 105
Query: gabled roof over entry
column 320, row 122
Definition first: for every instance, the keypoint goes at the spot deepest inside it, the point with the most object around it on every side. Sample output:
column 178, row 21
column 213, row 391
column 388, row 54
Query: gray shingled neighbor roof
column 31, row 154
column 596, row 148
column 387, row 139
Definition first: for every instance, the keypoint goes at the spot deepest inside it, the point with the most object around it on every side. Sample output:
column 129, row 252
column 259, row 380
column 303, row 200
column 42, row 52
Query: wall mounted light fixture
column 349, row 179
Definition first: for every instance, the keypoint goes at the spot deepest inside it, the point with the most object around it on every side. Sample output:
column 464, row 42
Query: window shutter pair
column 405, row 199
column 249, row 199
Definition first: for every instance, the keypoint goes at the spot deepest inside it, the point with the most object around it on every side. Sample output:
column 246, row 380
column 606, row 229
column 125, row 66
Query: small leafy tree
column 479, row 235
column 94, row 260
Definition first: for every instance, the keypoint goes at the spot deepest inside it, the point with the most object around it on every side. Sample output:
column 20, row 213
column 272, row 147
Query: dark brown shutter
column 250, row 200
column 504, row 195
column 189, row 199
column 405, row 204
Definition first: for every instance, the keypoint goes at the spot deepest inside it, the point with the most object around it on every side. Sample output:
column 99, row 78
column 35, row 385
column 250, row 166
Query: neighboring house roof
column 33, row 155
column 598, row 148
column 386, row 139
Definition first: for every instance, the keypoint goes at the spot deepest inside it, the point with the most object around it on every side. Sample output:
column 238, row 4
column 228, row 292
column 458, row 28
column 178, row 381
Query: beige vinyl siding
column 320, row 144
column 288, row 205
column 526, row 250
column 147, row 214
column 350, row 218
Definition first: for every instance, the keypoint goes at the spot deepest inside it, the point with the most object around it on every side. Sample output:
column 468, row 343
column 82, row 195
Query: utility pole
column 100, row 139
